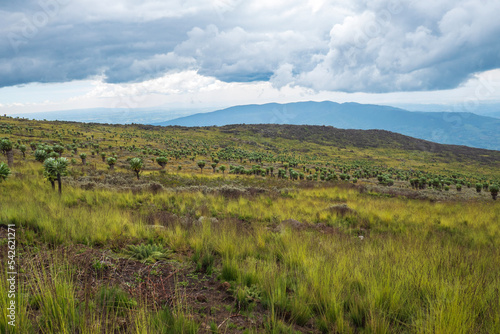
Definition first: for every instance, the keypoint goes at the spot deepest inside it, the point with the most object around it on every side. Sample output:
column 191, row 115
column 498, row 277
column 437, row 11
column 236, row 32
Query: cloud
column 350, row 46
column 377, row 51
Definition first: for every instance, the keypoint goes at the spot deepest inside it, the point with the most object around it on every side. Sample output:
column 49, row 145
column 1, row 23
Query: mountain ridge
column 455, row 128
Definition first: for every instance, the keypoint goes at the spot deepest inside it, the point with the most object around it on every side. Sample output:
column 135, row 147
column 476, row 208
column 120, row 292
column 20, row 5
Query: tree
column 136, row 165
column 103, row 156
column 23, row 149
column 6, row 148
column 111, row 162
column 479, row 186
column 201, row 164
column 83, row 156
column 55, row 169
column 162, row 161
column 40, row 155
column 58, row 149
column 222, row 168
column 214, row 165
column 4, row 171
column 494, row 191
column 49, row 176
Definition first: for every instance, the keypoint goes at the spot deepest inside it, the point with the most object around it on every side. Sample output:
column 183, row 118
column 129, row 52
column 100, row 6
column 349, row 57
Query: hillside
column 245, row 229
column 330, row 136
column 442, row 127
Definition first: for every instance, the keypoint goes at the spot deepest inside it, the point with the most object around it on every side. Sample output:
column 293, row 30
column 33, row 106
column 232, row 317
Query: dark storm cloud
column 374, row 46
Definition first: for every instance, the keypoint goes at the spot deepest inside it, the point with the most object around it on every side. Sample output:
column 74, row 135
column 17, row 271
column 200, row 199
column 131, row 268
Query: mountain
column 484, row 109
column 456, row 128
column 110, row 115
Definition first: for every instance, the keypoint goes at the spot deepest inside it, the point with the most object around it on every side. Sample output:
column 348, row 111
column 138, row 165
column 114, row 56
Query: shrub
column 4, row 171
column 494, row 191
column 40, row 155
column 148, row 253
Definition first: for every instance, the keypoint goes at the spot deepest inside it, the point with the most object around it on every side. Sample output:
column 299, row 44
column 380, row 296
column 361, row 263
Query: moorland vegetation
column 246, row 228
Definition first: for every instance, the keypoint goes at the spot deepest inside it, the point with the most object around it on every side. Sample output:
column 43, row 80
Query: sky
column 188, row 54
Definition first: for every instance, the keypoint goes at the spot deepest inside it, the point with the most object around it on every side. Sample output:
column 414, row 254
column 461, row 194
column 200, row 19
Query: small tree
column 214, row 165
column 494, row 191
column 55, row 169
column 162, row 161
column 111, row 162
column 222, row 168
column 23, row 149
column 40, row 155
column 4, row 171
column 201, row 164
column 49, row 176
column 6, row 148
column 83, row 156
column 136, row 165
column 58, row 149
column 479, row 186
column 103, row 156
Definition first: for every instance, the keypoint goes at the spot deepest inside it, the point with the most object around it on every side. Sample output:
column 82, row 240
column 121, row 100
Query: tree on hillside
column 494, row 188
column 214, row 165
column 55, row 169
column 23, row 149
column 162, row 161
column 83, row 156
column 40, row 155
column 111, row 162
column 201, row 164
column 6, row 148
column 4, row 171
column 58, row 149
column 103, row 156
column 49, row 176
column 222, row 168
column 136, row 165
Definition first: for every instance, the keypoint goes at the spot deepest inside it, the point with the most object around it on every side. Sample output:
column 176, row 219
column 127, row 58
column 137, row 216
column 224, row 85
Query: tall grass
column 422, row 267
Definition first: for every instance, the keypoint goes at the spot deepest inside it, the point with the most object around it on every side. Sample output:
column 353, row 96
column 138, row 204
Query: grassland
column 185, row 250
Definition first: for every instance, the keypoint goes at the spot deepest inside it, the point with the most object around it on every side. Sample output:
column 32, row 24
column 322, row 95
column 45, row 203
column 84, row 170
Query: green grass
column 423, row 265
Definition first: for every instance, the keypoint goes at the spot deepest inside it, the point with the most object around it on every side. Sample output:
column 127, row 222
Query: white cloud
column 161, row 49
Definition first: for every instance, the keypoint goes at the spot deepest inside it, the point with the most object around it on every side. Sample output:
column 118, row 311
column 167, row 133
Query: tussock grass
column 421, row 267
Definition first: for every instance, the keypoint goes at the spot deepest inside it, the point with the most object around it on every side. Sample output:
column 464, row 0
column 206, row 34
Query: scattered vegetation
column 289, row 231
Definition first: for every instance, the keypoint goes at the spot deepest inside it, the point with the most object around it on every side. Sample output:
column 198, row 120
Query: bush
column 494, row 188
column 148, row 253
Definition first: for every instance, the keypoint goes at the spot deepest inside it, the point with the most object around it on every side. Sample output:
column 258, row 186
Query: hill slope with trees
column 455, row 128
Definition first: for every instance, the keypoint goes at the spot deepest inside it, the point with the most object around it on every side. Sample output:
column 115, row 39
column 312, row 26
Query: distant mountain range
column 111, row 115
column 481, row 131
column 457, row 128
